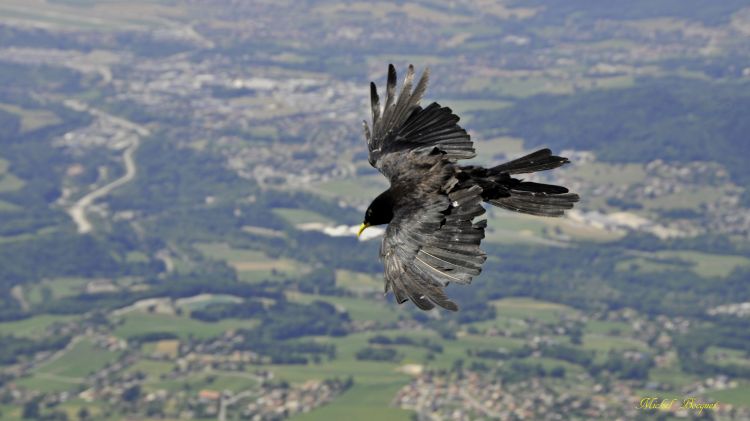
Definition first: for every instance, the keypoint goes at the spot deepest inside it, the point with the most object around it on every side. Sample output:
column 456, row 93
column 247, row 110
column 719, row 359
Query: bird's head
column 379, row 212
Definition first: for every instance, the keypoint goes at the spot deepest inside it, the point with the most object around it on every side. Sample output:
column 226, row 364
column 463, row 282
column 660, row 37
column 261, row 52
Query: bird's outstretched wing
column 404, row 126
column 432, row 243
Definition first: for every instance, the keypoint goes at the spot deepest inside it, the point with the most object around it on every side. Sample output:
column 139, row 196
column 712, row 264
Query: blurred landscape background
column 178, row 180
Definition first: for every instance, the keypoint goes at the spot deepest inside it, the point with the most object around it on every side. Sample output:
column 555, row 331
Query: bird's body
column 430, row 207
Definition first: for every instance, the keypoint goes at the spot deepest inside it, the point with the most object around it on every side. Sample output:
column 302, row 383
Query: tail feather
column 537, row 161
column 539, row 188
column 540, row 204
column 501, row 190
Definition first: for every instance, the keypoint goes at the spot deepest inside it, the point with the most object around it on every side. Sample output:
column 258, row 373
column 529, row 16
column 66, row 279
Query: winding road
column 78, row 210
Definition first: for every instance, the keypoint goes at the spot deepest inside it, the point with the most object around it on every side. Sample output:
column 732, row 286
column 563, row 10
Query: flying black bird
column 431, row 239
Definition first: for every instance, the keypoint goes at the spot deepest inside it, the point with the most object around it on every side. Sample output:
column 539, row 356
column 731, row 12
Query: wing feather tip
column 450, row 305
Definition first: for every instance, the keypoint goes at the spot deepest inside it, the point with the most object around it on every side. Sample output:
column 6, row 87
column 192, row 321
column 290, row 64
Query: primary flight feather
column 430, row 207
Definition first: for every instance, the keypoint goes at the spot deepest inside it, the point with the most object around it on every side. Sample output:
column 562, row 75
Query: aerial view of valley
column 181, row 184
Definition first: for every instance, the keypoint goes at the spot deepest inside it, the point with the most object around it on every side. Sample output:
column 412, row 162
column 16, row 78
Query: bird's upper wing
column 403, row 125
column 431, row 243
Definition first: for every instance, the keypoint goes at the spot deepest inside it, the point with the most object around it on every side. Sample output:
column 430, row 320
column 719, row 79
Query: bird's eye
column 369, row 212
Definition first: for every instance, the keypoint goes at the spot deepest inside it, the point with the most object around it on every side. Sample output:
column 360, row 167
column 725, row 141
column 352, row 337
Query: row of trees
column 13, row 348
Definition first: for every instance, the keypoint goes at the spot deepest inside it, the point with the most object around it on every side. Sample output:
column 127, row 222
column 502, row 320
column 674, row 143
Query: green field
column 251, row 265
column 9, row 183
column 423, row 11
column 602, row 344
column 365, row 402
column 346, row 348
column 556, row 227
column 488, row 149
column 137, row 323
column 31, row 119
column 80, row 361
column 362, row 188
column 571, row 370
column 358, row 282
column 45, row 383
column 222, row 251
column 727, row 356
column 645, row 265
column 508, row 227
column 212, row 380
column 33, row 326
column 734, row 396
column 464, row 106
column 376, row 60
column 672, row 376
column 196, row 303
column 609, row 328
column 503, row 323
column 690, row 198
column 608, row 173
column 136, row 257
column 455, row 350
column 234, row 381
column 522, row 308
column 72, row 406
column 55, row 288
column 152, row 369
column 375, row 383
column 301, row 216
column 262, row 231
column 517, row 87
column 29, row 235
column 9, row 207
column 708, row 265
column 612, row 82
column 363, row 372
column 704, row 264
column 100, row 15
column 376, row 307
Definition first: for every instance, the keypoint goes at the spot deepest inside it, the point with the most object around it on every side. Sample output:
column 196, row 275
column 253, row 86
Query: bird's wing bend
column 432, row 243
column 403, row 125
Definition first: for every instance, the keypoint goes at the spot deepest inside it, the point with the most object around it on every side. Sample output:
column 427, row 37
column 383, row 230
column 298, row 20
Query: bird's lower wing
column 426, row 248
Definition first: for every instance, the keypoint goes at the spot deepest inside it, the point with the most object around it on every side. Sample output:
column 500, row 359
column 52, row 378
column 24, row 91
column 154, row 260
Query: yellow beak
column 362, row 228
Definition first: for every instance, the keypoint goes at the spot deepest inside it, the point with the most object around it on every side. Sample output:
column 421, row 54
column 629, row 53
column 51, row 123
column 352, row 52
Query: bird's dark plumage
column 432, row 239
